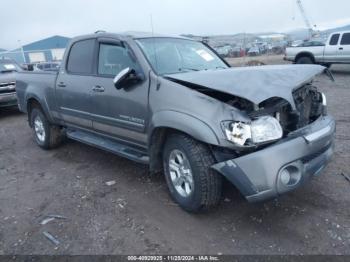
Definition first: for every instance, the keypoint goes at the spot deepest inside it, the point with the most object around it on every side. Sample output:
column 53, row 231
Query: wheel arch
column 167, row 122
column 32, row 102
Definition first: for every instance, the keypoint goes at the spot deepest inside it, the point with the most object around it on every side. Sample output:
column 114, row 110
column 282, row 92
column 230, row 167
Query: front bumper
column 259, row 175
column 8, row 99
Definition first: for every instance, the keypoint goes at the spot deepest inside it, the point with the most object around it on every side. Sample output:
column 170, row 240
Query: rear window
column 334, row 39
column 81, row 55
column 345, row 39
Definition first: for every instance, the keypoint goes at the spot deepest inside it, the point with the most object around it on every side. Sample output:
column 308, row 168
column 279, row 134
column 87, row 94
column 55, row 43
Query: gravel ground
column 136, row 214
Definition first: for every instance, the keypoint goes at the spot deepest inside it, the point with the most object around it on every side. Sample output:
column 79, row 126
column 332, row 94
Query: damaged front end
column 292, row 145
column 287, row 136
column 275, row 118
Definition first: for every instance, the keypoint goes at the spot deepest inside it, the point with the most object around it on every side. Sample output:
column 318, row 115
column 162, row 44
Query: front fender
column 185, row 123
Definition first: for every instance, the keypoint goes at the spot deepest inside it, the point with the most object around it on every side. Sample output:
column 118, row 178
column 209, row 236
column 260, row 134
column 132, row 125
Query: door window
column 113, row 59
column 334, row 39
column 81, row 56
column 345, row 39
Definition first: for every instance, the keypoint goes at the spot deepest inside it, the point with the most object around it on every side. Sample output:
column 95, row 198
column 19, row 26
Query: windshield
column 8, row 66
column 172, row 55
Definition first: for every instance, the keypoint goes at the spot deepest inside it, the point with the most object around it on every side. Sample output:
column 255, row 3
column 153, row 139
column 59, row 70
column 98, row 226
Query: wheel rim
column 39, row 129
column 181, row 173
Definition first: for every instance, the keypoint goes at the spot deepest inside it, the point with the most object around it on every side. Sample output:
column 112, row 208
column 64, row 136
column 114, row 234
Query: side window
column 80, row 60
column 114, row 58
column 345, row 40
column 334, row 39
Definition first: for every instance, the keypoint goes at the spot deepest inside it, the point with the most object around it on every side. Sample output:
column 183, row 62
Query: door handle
column 61, row 84
column 98, row 89
column 340, row 48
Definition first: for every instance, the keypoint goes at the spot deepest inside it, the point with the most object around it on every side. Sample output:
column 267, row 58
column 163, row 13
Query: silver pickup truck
column 172, row 103
column 336, row 50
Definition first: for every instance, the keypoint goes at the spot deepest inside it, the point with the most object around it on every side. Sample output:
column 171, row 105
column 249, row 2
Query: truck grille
column 9, row 87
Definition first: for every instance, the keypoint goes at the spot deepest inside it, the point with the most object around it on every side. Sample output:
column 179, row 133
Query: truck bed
column 317, row 51
column 44, row 82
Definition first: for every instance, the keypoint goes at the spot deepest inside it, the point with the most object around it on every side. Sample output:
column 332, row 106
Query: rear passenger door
column 344, row 48
column 121, row 113
column 74, row 84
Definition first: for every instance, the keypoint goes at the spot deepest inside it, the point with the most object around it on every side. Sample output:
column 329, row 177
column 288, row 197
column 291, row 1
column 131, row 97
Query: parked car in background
column 172, row 103
column 336, row 50
column 8, row 69
column 254, row 51
column 296, row 43
column 311, row 43
column 224, row 51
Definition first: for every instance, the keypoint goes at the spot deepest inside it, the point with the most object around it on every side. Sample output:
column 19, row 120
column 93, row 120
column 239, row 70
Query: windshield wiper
column 188, row 69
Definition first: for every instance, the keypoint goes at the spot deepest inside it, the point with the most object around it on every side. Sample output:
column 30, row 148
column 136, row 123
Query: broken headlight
column 260, row 130
column 265, row 129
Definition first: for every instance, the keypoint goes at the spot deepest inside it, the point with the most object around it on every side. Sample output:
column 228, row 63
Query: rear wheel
column 187, row 167
column 46, row 135
column 304, row 60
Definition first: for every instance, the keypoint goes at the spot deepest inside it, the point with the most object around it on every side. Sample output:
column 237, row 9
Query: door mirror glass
column 125, row 77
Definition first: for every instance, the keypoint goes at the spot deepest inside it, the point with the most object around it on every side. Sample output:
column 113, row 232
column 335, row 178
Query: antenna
column 151, row 17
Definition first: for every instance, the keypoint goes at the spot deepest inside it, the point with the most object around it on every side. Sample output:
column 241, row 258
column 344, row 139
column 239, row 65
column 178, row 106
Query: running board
column 108, row 145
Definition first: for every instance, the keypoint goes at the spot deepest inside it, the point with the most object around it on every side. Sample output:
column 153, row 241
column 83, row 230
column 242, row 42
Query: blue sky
column 35, row 19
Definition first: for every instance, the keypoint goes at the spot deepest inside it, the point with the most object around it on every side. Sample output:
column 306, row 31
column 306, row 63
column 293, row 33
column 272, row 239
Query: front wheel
column 187, row 167
column 46, row 135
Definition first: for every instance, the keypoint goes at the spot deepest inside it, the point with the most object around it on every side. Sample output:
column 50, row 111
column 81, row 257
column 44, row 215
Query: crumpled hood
column 255, row 84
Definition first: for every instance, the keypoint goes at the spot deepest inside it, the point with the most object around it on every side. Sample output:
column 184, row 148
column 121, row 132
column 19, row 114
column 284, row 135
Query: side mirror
column 125, row 76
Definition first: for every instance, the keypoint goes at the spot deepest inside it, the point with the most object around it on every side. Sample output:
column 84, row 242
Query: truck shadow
column 340, row 70
column 9, row 112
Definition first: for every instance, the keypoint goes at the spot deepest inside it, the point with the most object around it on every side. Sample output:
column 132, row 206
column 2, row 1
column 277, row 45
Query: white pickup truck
column 336, row 50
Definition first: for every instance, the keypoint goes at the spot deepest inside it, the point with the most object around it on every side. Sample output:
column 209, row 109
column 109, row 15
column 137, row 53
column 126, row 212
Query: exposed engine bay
column 308, row 102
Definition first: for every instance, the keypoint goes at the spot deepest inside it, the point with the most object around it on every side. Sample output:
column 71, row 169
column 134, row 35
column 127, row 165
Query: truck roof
column 126, row 35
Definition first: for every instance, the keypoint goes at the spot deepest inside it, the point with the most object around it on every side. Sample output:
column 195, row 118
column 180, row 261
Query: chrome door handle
column 98, row 89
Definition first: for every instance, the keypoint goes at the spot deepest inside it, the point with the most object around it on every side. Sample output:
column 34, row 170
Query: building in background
column 45, row 50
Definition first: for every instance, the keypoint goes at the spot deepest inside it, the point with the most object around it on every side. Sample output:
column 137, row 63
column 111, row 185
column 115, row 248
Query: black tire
column 207, row 184
column 327, row 65
column 52, row 134
column 305, row 60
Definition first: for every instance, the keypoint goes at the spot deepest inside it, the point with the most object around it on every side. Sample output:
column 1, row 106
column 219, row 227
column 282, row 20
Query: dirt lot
column 136, row 215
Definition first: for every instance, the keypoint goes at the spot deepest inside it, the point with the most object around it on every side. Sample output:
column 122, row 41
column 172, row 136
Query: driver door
column 120, row 113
